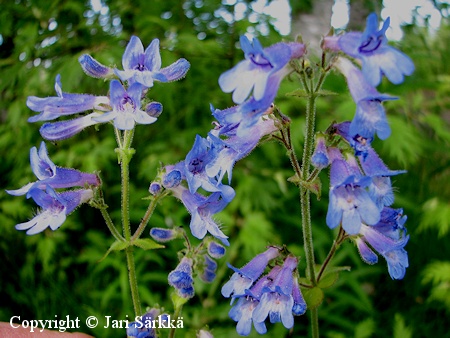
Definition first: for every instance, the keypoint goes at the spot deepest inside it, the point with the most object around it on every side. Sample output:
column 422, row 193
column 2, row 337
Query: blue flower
column 126, row 107
column 392, row 249
column 276, row 301
column 209, row 269
column 370, row 117
column 202, row 210
column 145, row 66
column 94, row 68
column 54, row 208
column 299, row 306
column 319, row 158
column 242, row 313
column 261, row 71
column 378, row 58
column 57, row 131
column 239, row 142
column 380, row 190
column 350, row 204
column 196, row 160
column 144, row 327
column 49, row 174
column 181, row 278
column 63, row 104
column 243, row 278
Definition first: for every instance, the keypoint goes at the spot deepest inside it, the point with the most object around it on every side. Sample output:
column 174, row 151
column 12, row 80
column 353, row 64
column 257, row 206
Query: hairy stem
column 125, row 153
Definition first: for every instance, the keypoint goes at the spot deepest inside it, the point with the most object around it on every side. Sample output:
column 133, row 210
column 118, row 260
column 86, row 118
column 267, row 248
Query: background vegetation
column 58, row 273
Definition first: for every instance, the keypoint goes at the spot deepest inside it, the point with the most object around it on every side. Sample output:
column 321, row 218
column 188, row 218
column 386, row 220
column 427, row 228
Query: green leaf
column 116, row 246
column 365, row 329
column 147, row 244
column 313, row 297
column 400, row 329
column 436, row 214
column 298, row 93
column 324, row 92
column 328, row 279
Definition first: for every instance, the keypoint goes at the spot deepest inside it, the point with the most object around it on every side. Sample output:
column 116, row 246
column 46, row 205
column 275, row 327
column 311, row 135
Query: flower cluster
column 276, row 295
column 55, row 206
column 237, row 131
column 361, row 192
column 197, row 261
column 123, row 106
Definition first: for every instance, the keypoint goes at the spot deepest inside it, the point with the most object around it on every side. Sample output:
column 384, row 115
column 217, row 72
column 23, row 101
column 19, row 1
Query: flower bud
column 154, row 109
column 172, row 179
column 163, row 235
column 216, row 250
column 155, row 188
column 94, row 68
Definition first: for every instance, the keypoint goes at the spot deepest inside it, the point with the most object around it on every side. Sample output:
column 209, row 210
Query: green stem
column 111, row 226
column 337, row 242
column 315, row 323
column 133, row 281
column 147, row 215
column 175, row 316
column 304, row 192
column 125, row 153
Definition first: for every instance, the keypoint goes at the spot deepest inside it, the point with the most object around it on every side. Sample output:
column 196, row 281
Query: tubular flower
column 202, row 210
column 145, row 66
column 63, row 104
column 49, row 175
column 370, row 117
column 126, row 107
column 378, row 58
column 350, row 204
column 276, row 301
column 388, row 240
column 243, row 278
column 261, row 71
column 94, row 68
column 55, row 208
column 181, row 278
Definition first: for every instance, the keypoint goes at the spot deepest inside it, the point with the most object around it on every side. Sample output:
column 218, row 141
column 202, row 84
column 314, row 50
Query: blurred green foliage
column 58, row 273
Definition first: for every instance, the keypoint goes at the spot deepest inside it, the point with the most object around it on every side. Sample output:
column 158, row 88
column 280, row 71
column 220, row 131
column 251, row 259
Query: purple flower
column 145, row 66
column 378, row 58
column 144, row 327
column 319, row 158
column 63, row 104
column 261, row 71
column 209, row 269
column 276, row 301
column 299, row 306
column 54, row 208
column 196, row 160
column 126, row 107
column 57, row 131
column 94, row 68
column 350, row 204
column 181, row 278
column 237, row 145
column 391, row 248
column 242, row 313
column 370, row 117
column 243, row 278
column 49, row 174
column 380, row 190
column 202, row 210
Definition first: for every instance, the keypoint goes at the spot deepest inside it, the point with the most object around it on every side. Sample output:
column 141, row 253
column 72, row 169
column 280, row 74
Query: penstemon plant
column 269, row 288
